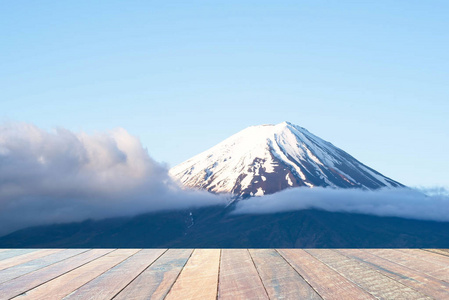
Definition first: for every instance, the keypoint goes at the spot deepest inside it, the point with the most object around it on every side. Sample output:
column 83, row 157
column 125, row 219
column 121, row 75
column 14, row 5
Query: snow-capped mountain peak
column 265, row 159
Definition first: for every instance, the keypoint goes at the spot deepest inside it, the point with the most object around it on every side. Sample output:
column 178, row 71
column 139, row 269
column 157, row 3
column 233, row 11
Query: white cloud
column 403, row 202
column 61, row 176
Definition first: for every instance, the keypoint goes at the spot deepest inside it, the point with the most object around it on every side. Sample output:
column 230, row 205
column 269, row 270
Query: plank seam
column 361, row 287
column 182, row 269
column 444, row 265
column 424, row 260
column 258, row 274
column 361, row 261
column 61, row 273
column 99, row 274
column 28, row 261
column 365, row 266
column 139, row 273
column 433, row 251
column 305, row 280
column 439, row 253
column 219, row 269
column 15, row 278
column 36, row 259
column 20, row 255
column 404, row 266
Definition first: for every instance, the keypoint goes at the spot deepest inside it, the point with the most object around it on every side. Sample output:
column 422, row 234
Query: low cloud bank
column 61, row 176
column 426, row 204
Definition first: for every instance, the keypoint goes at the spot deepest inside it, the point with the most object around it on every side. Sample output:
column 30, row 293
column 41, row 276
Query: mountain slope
column 265, row 159
column 216, row 227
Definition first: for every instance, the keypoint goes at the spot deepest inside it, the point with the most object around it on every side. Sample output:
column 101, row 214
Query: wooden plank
column 29, row 281
column 281, row 281
column 327, row 282
column 419, row 281
column 418, row 258
column 199, row 277
column 417, row 261
column 156, row 281
column 427, row 256
column 31, row 266
column 290, row 273
column 368, row 279
column 63, row 285
column 15, row 252
column 17, row 260
column 239, row 278
column 109, row 284
column 439, row 251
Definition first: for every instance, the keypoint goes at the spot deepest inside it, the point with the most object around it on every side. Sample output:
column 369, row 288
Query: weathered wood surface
column 417, row 280
column 8, row 253
column 372, row 281
column 65, row 284
column 439, row 251
column 425, row 262
column 22, row 269
column 281, row 281
column 156, row 281
column 225, row 274
column 31, row 280
column 17, row 260
column 110, row 283
column 199, row 278
column 238, row 276
column 327, row 282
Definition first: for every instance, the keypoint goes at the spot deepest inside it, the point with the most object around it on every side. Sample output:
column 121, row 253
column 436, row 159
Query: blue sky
column 372, row 77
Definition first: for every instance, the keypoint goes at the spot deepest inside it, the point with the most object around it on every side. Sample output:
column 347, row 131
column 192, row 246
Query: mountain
column 265, row 159
column 218, row 227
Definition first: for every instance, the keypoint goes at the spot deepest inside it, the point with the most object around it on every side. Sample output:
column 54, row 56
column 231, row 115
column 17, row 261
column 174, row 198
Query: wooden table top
column 224, row 274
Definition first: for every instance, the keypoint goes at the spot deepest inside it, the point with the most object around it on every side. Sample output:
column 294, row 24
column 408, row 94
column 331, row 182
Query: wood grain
column 65, row 284
column 109, row 284
column 239, row 278
column 17, row 260
column 427, row 256
column 129, row 274
column 419, row 281
column 14, row 252
column 444, row 252
column 281, row 281
column 368, row 279
column 417, row 261
column 31, row 280
column 31, row 266
column 199, row 277
column 328, row 283
column 156, row 281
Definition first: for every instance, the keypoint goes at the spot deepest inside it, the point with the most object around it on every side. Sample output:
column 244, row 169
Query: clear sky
column 371, row 77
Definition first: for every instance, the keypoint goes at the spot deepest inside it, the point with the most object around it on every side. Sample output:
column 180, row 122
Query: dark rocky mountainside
column 217, row 227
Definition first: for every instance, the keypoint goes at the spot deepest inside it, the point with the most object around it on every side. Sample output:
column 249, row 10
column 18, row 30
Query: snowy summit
column 265, row 159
